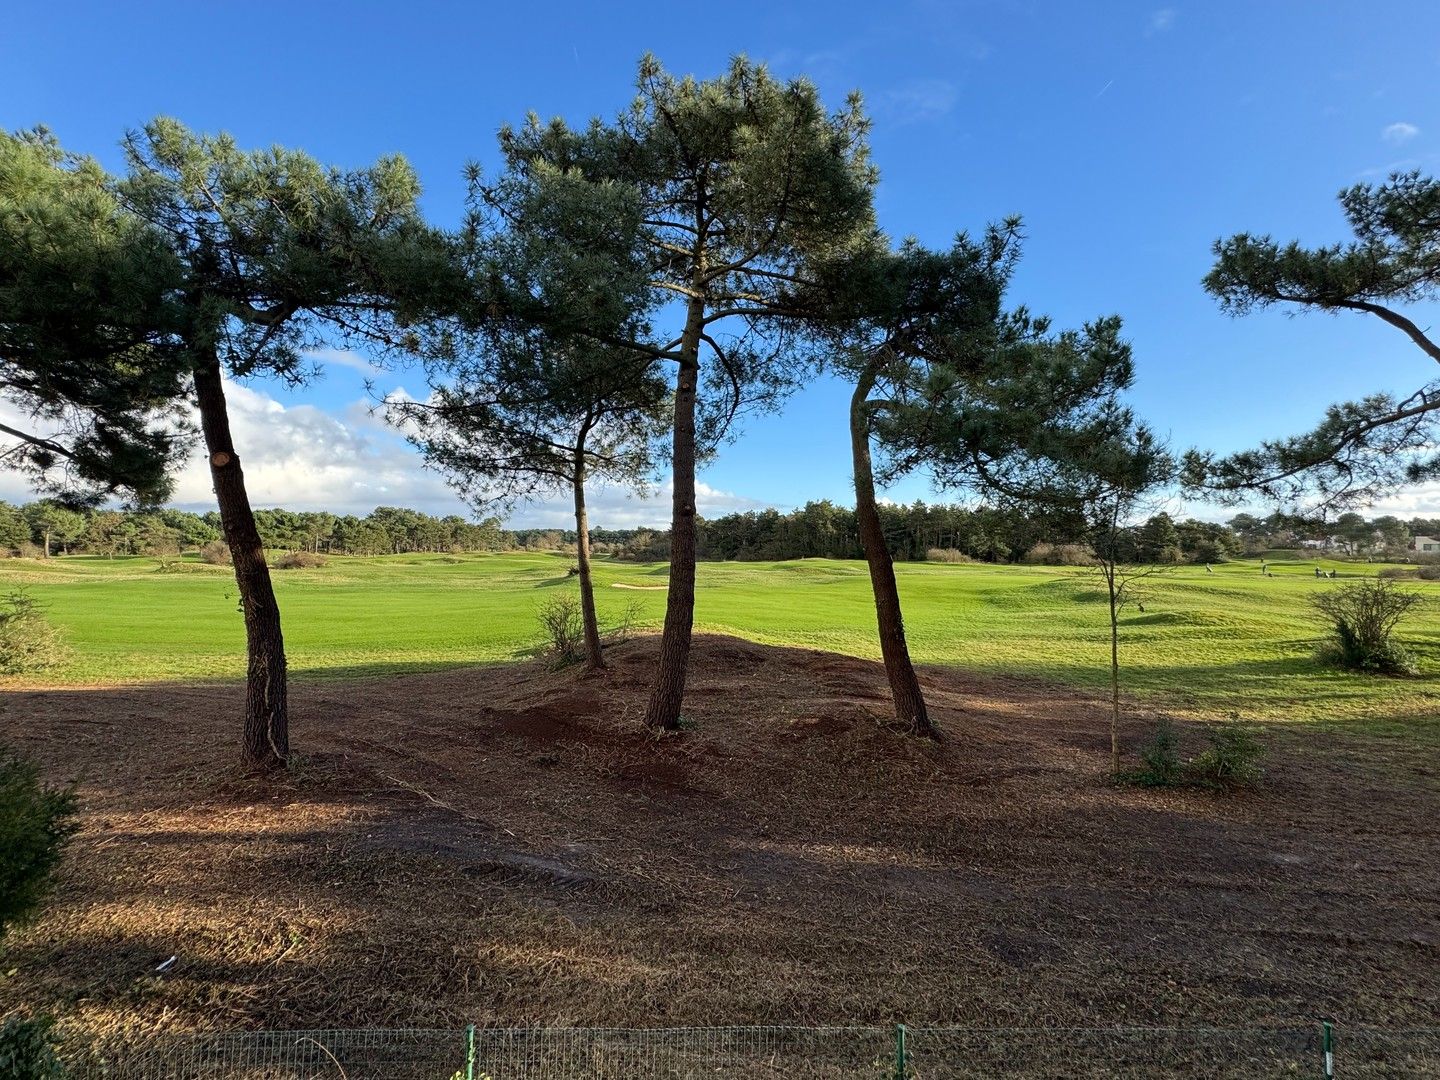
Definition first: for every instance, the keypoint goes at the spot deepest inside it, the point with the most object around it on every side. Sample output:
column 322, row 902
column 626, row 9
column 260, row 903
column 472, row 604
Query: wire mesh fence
column 535, row 1053
column 769, row 1053
column 824, row 1053
column 952, row 1053
column 407, row 1054
column 1387, row 1053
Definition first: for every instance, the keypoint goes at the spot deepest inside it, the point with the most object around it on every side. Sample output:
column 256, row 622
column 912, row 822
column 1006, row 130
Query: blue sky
column 1129, row 135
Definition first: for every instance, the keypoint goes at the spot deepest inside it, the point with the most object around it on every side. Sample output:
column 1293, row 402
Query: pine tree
column 1360, row 449
column 85, row 320
column 276, row 255
column 987, row 400
column 531, row 415
column 740, row 183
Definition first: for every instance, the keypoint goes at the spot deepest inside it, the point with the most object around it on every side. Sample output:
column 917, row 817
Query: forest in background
column 819, row 529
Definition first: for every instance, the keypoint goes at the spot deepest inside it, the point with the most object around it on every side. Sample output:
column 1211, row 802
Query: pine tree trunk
column 663, row 711
column 267, row 735
column 594, row 659
column 904, row 685
column 47, row 543
column 1114, row 676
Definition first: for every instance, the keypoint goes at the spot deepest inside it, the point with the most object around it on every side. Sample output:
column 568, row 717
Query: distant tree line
column 819, row 529
column 998, row 534
column 46, row 528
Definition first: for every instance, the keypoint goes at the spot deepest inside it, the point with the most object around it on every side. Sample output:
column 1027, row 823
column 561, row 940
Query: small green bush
column 1160, row 758
column 27, row 640
column 1391, row 658
column 28, row 1049
column 1231, row 760
column 1362, row 617
column 36, row 821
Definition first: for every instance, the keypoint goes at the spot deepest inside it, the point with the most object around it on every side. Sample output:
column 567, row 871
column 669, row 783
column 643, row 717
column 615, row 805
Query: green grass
column 1206, row 643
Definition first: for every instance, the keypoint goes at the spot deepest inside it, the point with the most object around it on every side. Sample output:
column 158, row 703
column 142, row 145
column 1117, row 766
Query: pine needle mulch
column 506, row 845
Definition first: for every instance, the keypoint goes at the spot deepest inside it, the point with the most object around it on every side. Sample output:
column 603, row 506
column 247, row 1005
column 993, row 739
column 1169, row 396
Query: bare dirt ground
column 506, row 845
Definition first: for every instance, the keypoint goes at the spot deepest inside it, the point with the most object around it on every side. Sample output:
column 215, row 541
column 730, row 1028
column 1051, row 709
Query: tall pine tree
column 273, row 255
column 740, row 184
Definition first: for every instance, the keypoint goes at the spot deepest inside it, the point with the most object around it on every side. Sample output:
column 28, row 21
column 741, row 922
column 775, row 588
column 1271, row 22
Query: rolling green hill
column 1205, row 644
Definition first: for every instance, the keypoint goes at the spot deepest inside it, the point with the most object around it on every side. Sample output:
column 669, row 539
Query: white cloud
column 1421, row 501
column 1161, row 21
column 613, row 507
column 304, row 458
column 344, row 358
column 919, row 100
column 1400, row 132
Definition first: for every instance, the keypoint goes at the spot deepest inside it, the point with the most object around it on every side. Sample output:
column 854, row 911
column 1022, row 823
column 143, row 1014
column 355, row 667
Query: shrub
column 1043, row 554
column 1362, row 617
column 35, row 823
column 946, row 555
column 1039, row 554
column 27, row 640
column 216, row 553
column 1392, row 658
column 623, row 628
column 28, row 1049
column 1160, row 758
column 1231, row 760
column 563, row 621
column 298, row 560
column 1398, row 573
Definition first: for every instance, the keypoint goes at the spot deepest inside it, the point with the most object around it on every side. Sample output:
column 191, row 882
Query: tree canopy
column 1360, row 449
column 731, row 187
column 275, row 255
column 86, row 317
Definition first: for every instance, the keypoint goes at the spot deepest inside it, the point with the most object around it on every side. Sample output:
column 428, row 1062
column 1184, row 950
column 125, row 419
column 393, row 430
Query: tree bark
column 267, row 736
column 1114, row 678
column 663, row 711
column 594, row 659
column 904, row 685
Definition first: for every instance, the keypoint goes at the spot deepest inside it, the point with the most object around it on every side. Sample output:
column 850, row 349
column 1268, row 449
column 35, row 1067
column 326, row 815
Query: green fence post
column 901, row 1056
column 1327, row 1043
column 470, row 1052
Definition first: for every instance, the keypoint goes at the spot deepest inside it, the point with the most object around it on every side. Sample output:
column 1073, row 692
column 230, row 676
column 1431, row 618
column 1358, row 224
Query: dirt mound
column 508, row 844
